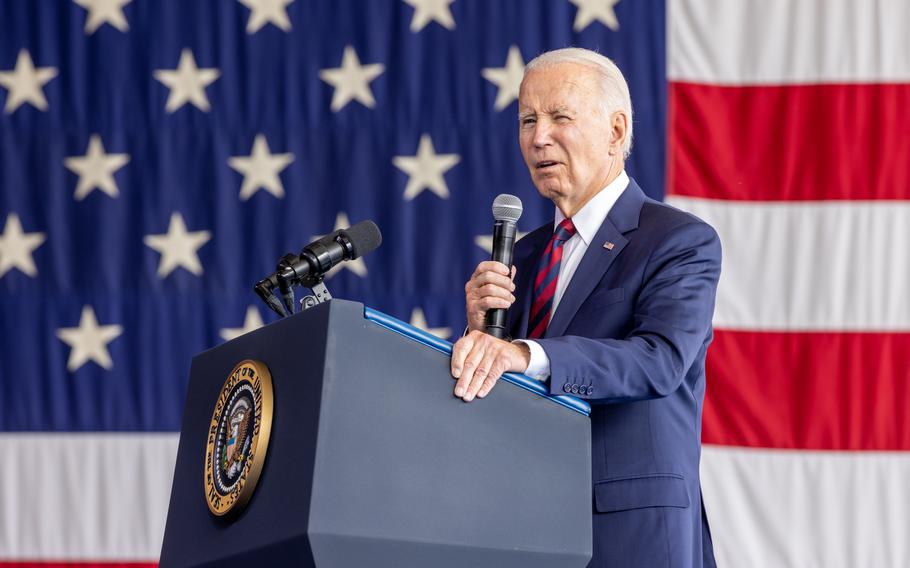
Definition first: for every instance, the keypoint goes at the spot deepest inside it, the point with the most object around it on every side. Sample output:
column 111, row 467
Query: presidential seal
column 238, row 437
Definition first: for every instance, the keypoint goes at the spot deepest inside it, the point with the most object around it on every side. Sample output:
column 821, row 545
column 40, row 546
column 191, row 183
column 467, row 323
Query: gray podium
column 373, row 462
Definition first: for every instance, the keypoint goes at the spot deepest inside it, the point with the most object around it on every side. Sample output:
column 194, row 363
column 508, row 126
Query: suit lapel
column 623, row 217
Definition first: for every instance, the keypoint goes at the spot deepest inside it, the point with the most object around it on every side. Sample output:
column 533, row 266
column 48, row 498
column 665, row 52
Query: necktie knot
column 564, row 230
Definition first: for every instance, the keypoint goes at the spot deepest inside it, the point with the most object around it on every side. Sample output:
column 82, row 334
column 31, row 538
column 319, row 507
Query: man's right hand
column 490, row 287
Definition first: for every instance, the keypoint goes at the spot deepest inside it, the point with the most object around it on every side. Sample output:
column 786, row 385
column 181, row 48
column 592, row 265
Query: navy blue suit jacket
column 630, row 336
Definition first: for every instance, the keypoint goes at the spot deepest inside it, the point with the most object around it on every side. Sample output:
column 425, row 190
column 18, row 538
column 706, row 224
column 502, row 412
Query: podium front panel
column 500, row 481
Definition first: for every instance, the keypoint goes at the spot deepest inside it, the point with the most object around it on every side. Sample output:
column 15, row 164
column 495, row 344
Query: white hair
column 613, row 85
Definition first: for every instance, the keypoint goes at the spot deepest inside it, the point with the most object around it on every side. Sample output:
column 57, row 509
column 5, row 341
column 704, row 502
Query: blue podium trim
column 443, row 346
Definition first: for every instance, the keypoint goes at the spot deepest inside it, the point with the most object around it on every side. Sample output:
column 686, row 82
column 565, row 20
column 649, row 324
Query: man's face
column 564, row 136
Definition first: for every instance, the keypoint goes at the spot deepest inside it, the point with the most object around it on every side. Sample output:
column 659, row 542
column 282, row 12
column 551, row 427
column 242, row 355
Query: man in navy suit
column 614, row 299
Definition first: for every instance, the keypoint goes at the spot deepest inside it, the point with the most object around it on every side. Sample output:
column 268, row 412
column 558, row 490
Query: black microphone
column 506, row 211
column 321, row 255
column 309, row 267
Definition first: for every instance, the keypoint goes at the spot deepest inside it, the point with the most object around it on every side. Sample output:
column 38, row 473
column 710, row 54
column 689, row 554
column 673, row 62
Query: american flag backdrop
column 158, row 156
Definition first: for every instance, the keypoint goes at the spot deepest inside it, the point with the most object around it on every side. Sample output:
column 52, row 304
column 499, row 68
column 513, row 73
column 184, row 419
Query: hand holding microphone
column 490, row 291
column 490, row 287
column 481, row 356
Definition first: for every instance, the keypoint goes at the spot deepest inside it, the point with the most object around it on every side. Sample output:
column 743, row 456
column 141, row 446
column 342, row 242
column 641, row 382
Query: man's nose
column 542, row 134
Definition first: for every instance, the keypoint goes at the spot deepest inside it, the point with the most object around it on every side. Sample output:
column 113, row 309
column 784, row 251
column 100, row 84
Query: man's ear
column 619, row 129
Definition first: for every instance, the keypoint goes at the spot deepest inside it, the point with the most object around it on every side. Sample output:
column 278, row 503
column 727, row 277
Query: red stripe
column 824, row 391
column 541, row 274
column 541, row 327
column 807, row 142
column 536, row 309
column 544, row 298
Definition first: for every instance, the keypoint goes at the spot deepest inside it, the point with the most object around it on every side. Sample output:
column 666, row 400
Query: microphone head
column 364, row 238
column 507, row 208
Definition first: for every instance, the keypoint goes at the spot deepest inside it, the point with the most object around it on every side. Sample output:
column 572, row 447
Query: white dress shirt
column 587, row 222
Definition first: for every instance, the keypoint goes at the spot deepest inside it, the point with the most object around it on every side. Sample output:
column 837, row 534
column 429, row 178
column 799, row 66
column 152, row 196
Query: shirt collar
column 589, row 219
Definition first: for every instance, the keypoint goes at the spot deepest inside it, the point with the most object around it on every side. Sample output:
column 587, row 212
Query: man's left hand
column 479, row 359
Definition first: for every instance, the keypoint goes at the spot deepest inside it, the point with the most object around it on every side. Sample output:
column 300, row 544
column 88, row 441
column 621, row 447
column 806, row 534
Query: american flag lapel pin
column 608, row 245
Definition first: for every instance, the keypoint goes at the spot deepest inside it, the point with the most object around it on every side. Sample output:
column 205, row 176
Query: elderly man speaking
column 614, row 301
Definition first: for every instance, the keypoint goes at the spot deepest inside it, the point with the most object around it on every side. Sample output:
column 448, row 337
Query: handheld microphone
column 506, row 211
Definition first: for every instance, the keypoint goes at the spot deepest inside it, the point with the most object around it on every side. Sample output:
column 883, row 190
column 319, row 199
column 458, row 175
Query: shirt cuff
column 539, row 367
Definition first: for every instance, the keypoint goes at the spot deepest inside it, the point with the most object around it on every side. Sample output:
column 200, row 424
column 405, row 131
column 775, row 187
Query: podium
column 372, row 461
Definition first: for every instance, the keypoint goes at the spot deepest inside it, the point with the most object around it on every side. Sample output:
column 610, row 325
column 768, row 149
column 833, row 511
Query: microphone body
column 309, row 267
column 321, row 255
column 314, row 260
column 503, row 243
column 506, row 210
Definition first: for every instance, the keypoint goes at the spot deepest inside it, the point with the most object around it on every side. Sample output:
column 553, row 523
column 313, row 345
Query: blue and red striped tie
column 547, row 276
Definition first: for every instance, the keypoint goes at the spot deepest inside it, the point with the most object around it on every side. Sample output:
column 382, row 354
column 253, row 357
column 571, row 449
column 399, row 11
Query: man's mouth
column 545, row 164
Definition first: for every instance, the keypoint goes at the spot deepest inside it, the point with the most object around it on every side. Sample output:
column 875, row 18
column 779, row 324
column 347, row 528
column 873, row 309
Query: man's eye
column 561, row 118
column 528, row 121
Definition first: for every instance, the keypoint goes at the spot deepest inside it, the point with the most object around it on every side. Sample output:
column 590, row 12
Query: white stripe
column 104, row 497
column 807, row 509
column 84, row 496
column 810, row 266
column 748, row 42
